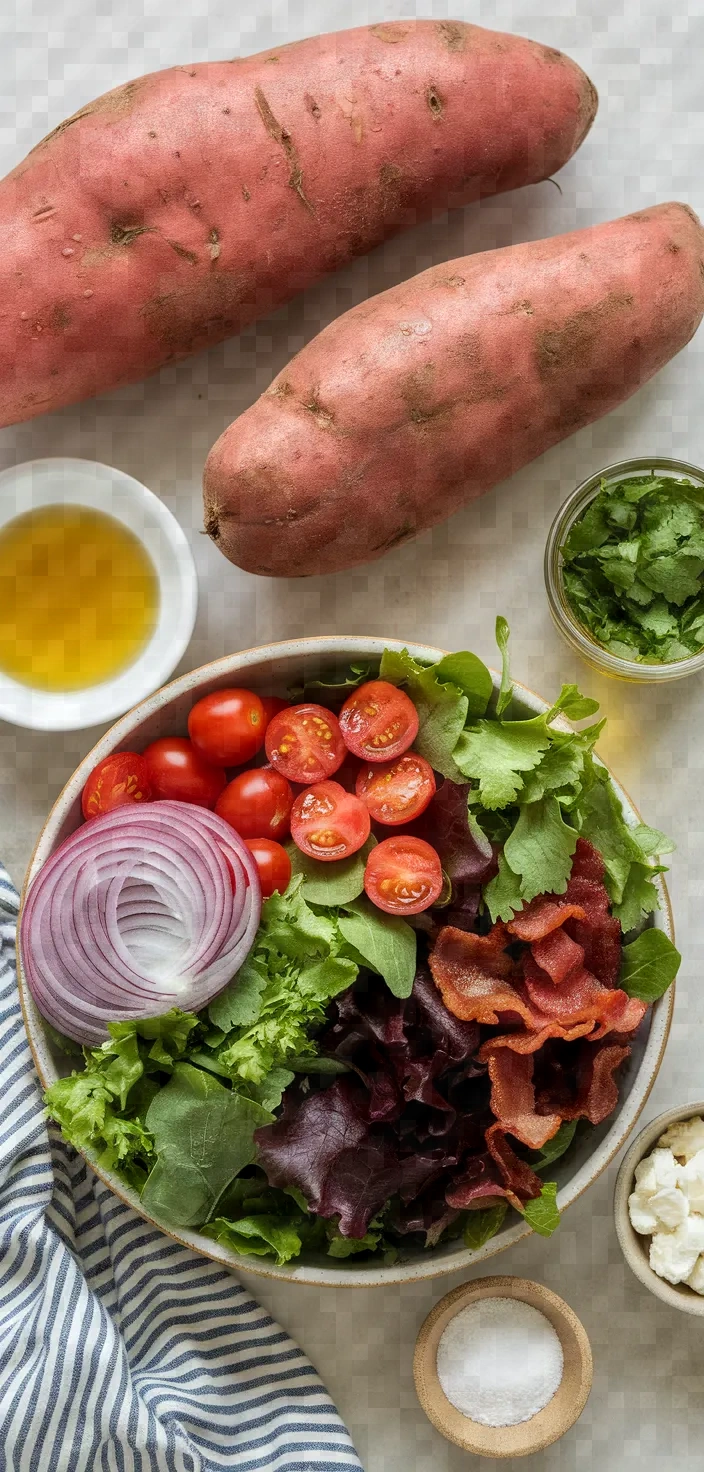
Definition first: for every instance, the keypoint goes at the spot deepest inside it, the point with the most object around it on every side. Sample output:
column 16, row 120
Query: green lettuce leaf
column 543, row 1213
column 385, row 943
column 203, row 1137
column 259, row 1236
column 330, row 884
column 553, row 1149
column 649, row 965
column 480, row 1226
column 496, row 756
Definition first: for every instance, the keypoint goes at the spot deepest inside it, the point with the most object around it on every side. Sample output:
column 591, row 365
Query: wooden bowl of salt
column 502, row 1367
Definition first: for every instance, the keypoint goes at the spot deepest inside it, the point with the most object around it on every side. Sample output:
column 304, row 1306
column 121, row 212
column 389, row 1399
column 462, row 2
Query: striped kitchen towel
column 121, row 1351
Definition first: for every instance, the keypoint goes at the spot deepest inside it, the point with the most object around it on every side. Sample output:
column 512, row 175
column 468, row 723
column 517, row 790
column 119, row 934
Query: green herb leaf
column 496, row 756
column 203, row 1136
column 542, row 1213
column 470, row 676
column 502, row 894
column 330, row 884
column 573, row 704
column 506, row 687
column 480, row 1226
column 386, row 943
column 540, row 849
column 649, row 965
column 640, row 897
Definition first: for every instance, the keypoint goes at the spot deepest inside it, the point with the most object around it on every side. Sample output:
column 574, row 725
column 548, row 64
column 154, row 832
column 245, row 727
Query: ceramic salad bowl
column 270, row 669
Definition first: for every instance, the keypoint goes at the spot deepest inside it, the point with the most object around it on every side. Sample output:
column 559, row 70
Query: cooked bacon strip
column 580, row 998
column 513, row 1098
column 587, row 862
column 530, row 1042
column 596, row 1094
column 471, row 972
column 558, row 954
column 519, row 1177
column 542, row 915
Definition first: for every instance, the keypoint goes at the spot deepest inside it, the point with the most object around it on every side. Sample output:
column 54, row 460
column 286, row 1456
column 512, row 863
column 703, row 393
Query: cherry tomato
column 118, row 779
column 273, row 863
column 304, row 742
column 272, row 705
column 257, row 803
column 403, row 875
column 178, row 771
column 399, row 791
column 378, row 722
column 227, row 727
column 328, row 823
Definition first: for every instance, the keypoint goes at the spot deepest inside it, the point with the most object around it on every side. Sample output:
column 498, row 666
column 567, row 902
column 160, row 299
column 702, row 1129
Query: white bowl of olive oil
column 98, row 593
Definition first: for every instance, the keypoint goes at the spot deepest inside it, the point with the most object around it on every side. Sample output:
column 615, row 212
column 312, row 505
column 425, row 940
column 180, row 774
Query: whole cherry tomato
column 227, row 727
column 378, row 722
column 119, row 779
column 399, row 791
column 328, row 823
column 177, row 771
column 272, row 705
column 403, row 875
column 257, row 803
column 273, row 863
column 305, row 744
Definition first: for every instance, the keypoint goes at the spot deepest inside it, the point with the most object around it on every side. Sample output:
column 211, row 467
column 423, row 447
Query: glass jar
column 572, row 631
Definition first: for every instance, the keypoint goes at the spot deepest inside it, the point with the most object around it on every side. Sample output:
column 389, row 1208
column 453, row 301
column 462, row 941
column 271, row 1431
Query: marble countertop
column 647, row 145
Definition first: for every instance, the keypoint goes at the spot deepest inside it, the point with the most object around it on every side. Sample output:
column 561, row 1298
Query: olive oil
column 79, row 597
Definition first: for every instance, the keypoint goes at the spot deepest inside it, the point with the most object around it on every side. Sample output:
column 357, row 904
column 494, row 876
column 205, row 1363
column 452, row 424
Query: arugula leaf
column 506, row 687
column 386, row 943
column 480, row 1226
column 332, row 688
column 330, row 884
column 540, row 848
column 442, row 708
column 470, row 675
column 553, row 1149
column 496, row 756
column 260, row 1236
column 649, row 965
column 203, row 1136
column 542, row 1213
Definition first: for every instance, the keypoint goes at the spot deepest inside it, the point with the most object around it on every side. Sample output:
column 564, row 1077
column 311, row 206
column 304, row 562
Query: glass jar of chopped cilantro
column 624, row 570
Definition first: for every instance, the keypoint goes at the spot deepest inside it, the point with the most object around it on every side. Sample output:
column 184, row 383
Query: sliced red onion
column 147, row 907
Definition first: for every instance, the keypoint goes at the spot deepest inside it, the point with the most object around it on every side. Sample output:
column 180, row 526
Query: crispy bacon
column 558, row 955
column 542, row 915
column 513, row 1098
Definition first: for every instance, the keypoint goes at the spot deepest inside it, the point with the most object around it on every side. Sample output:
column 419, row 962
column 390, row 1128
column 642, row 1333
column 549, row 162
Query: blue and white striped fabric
column 120, row 1351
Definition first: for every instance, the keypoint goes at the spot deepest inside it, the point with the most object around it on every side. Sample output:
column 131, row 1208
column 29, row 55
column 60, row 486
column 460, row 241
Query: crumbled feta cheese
column 642, row 1219
column 671, row 1207
column 685, row 1138
column 696, row 1277
column 646, row 1184
column 691, row 1180
column 665, row 1168
column 671, row 1256
column 695, row 1230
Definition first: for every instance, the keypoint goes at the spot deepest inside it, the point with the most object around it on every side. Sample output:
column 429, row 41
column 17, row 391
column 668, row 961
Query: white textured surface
column 647, row 1406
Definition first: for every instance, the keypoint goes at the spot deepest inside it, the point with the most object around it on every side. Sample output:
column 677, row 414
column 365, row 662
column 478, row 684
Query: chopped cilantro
column 633, row 569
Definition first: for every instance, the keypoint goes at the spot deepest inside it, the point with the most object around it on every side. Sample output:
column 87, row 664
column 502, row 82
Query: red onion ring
column 144, row 908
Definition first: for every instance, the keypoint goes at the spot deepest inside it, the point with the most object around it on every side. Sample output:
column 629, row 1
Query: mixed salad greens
column 633, row 568
column 328, row 1100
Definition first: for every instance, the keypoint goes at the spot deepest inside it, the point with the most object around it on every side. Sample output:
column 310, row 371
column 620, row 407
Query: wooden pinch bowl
column 546, row 1426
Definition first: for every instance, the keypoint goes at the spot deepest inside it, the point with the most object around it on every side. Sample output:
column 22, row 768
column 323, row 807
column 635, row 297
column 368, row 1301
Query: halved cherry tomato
column 328, row 823
column 227, row 727
column 177, row 771
column 378, row 722
column 257, row 803
column 119, row 779
column 304, row 742
column 403, row 875
column 273, row 863
column 272, row 705
column 399, row 791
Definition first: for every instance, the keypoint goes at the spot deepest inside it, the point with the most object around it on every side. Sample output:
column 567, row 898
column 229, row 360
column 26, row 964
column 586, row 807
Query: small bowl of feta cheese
column 659, row 1207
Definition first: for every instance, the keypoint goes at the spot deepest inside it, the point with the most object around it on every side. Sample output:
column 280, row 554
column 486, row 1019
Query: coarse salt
column 499, row 1361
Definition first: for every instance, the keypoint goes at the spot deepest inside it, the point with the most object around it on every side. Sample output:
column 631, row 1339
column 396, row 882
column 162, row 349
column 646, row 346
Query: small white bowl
column 86, row 483
column 636, row 1247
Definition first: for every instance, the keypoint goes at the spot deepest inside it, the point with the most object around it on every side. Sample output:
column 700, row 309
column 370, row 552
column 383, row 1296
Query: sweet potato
column 175, row 210
column 429, row 394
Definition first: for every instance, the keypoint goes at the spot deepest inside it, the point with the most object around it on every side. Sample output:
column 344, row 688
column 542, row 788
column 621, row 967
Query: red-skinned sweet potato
column 429, row 394
column 175, row 210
